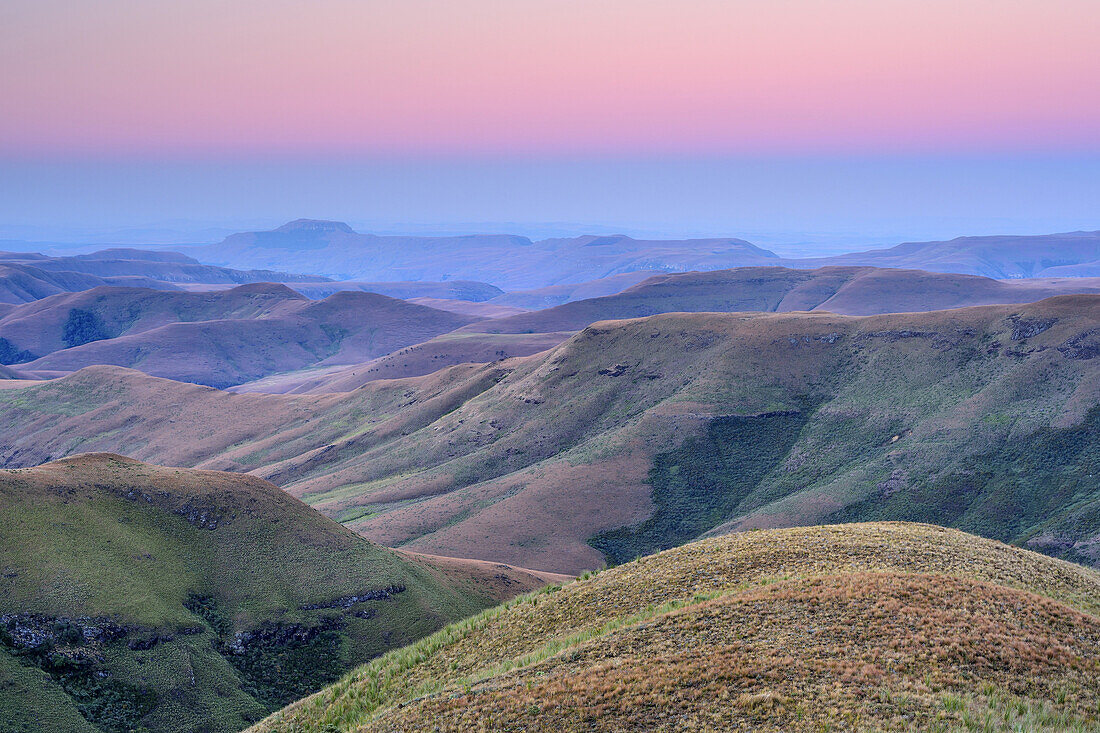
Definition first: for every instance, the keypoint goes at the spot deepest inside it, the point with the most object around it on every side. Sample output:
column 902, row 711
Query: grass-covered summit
column 843, row 627
column 138, row 597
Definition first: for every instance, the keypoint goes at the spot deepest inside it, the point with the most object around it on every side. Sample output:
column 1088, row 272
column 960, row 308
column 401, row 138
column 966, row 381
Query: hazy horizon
column 796, row 205
column 806, row 125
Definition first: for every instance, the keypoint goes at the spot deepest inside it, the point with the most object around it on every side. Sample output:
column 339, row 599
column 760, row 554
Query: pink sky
column 549, row 76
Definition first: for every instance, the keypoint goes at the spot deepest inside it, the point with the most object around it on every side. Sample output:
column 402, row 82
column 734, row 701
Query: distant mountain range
column 535, row 274
column 1073, row 254
column 845, row 290
column 512, row 263
column 267, row 337
column 507, row 261
column 27, row 276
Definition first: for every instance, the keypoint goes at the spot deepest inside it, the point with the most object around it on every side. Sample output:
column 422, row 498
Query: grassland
column 217, row 338
column 642, row 433
column 879, row 626
column 138, row 597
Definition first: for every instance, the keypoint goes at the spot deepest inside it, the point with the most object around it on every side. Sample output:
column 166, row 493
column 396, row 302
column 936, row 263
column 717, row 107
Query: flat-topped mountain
column 638, row 435
column 507, row 261
column 518, row 263
column 141, row 597
column 861, row 627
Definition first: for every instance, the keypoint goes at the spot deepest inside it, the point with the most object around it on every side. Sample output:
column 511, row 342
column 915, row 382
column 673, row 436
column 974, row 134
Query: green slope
column 150, row 598
column 636, row 435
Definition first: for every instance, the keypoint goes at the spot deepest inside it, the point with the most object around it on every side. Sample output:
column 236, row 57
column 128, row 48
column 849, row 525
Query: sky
column 775, row 116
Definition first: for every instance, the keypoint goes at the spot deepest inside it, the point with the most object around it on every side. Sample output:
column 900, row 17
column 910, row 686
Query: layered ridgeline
column 136, row 597
column 639, row 435
column 28, row 276
column 216, row 338
column 861, row 627
column 508, row 261
column 513, row 262
column 847, row 290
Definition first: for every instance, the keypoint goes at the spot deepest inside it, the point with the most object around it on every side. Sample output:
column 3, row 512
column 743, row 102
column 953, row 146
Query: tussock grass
column 846, row 627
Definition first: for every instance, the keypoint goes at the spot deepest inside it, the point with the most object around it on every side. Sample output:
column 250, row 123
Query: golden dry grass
column 846, row 627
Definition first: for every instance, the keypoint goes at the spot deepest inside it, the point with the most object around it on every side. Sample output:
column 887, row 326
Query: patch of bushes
column 107, row 703
column 281, row 663
column 9, row 354
column 83, row 327
column 277, row 663
column 700, row 484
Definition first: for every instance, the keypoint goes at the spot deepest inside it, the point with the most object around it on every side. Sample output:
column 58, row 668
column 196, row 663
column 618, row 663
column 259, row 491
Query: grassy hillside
column 848, row 290
column 29, row 276
column 137, row 597
column 856, row 627
column 218, row 338
column 636, row 435
column 412, row 361
column 998, row 256
column 22, row 282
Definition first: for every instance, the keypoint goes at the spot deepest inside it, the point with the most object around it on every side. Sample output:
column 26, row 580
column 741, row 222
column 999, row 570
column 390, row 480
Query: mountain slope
column 217, row 338
column 852, row 291
column 27, row 276
column 412, row 361
column 21, row 283
column 553, row 295
column 846, row 290
column 459, row 290
column 154, row 598
column 1004, row 256
column 638, row 435
column 853, row 627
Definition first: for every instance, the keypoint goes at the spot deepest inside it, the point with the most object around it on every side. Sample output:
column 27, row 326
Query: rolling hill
column 847, row 290
column 138, row 597
column 638, row 435
column 465, row 291
column 1004, row 256
column 218, row 338
column 28, row 276
column 21, row 283
column 553, row 295
column 861, row 627
column 412, row 361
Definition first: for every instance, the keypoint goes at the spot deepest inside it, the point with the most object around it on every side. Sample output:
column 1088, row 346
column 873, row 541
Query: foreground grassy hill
column 137, row 597
column 638, row 435
column 218, row 338
column 850, row 627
